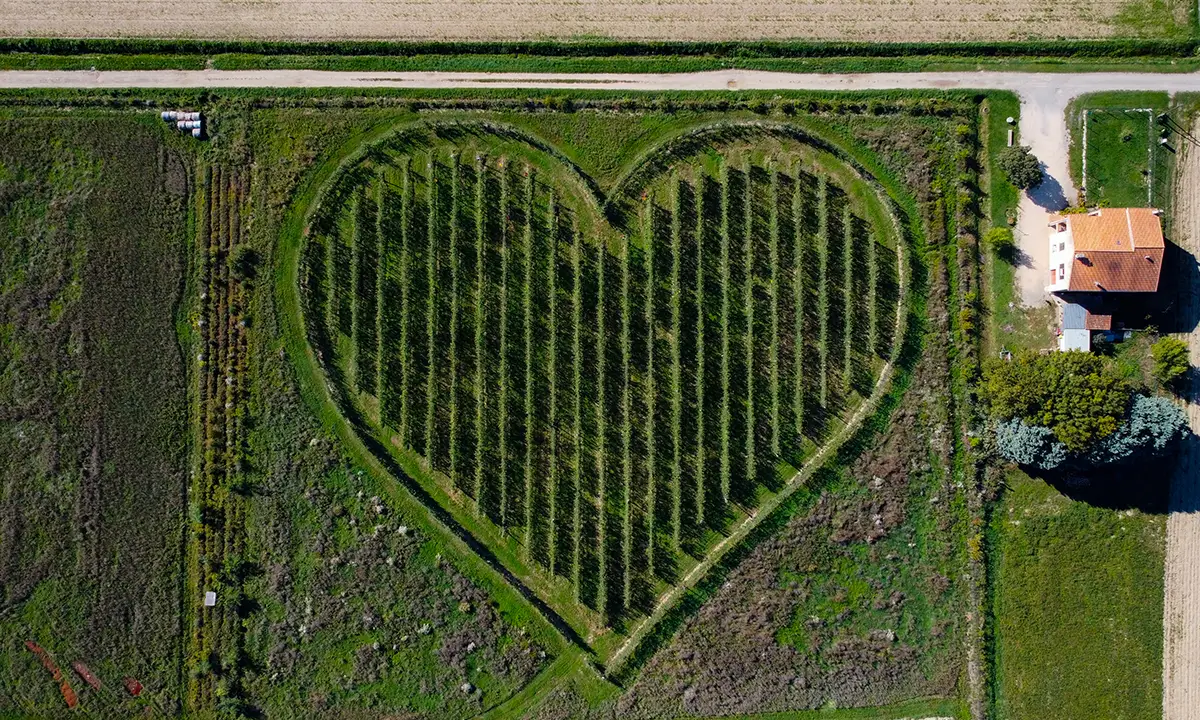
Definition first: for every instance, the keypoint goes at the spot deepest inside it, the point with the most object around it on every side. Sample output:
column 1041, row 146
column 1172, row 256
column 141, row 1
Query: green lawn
column 1078, row 607
column 1115, row 148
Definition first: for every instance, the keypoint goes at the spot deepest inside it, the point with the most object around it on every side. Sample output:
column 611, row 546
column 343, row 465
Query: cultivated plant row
column 609, row 402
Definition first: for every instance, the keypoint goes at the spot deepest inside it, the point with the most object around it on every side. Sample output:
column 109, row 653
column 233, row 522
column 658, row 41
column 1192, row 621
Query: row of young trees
column 216, row 652
column 607, row 401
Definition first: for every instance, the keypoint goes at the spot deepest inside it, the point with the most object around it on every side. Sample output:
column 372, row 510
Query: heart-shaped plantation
column 608, row 383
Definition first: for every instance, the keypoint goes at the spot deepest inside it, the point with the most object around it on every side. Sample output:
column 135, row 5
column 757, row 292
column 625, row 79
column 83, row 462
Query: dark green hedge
column 601, row 48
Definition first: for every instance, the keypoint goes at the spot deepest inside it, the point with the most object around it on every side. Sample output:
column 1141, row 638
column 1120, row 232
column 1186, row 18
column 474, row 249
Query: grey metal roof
column 1074, row 317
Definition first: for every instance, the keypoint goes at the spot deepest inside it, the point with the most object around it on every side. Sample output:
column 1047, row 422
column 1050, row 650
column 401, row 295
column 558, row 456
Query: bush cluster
column 1069, row 409
column 1020, row 166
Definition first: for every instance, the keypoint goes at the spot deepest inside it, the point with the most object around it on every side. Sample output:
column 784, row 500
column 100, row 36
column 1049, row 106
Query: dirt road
column 858, row 20
column 1181, row 602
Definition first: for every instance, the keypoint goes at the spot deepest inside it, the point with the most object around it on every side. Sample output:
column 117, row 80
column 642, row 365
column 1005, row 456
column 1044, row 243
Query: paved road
column 1044, row 97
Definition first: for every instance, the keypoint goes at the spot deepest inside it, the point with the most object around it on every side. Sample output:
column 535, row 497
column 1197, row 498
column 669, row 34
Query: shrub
column 1020, row 166
column 243, row 262
column 1154, row 424
column 1076, row 395
column 1000, row 241
column 1029, row 445
column 1171, row 360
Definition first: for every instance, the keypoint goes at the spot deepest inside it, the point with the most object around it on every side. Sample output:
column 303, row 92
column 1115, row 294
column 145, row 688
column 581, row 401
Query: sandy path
column 1181, row 602
column 859, row 20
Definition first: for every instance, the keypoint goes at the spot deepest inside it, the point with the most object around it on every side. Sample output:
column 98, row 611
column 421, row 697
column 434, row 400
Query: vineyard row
column 606, row 402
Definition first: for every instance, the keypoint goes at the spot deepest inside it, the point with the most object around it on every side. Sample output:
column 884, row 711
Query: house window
column 1062, row 272
column 1062, row 246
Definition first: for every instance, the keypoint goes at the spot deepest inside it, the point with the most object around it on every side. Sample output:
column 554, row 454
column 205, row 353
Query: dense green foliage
column 1000, row 241
column 1154, row 424
column 1020, row 166
column 1171, row 360
column 1076, row 395
column 1029, row 445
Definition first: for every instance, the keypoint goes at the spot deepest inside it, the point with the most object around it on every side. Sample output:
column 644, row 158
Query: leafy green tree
column 1030, row 445
column 1171, row 361
column 1020, row 166
column 1076, row 395
column 243, row 262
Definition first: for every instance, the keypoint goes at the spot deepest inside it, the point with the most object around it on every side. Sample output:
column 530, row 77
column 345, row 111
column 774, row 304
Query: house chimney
column 1149, row 259
column 1156, row 212
column 1080, row 256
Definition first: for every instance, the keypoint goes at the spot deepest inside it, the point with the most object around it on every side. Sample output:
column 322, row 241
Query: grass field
column 1078, row 603
column 1116, row 150
column 93, row 391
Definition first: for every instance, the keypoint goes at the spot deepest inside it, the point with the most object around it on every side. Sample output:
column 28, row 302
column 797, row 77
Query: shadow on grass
column 1145, row 486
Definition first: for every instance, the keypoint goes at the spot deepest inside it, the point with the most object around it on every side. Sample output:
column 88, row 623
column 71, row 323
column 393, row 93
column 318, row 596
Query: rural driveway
column 1044, row 97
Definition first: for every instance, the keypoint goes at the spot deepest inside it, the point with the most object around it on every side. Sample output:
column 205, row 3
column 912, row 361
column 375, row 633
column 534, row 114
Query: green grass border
column 1111, row 47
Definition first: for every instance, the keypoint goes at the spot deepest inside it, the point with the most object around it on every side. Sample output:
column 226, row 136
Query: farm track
column 222, row 396
column 860, row 20
column 1181, row 602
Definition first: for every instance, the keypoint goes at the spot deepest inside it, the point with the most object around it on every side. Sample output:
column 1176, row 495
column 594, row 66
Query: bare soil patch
column 859, row 20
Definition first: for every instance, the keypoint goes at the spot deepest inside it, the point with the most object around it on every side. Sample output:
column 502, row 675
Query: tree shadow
column 1048, row 194
column 1143, row 486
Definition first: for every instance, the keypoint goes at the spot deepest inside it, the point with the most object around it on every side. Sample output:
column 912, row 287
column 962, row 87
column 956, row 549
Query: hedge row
column 1110, row 48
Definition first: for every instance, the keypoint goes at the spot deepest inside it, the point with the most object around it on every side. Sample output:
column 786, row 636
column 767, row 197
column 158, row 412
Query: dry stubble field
column 858, row 20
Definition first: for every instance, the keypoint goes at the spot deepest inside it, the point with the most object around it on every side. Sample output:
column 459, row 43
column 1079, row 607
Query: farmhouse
column 1096, row 259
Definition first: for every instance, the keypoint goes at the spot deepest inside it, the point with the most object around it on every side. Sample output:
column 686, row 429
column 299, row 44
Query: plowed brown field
column 859, row 20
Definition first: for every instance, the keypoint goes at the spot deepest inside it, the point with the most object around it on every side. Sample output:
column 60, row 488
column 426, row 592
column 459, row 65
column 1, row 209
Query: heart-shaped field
column 608, row 382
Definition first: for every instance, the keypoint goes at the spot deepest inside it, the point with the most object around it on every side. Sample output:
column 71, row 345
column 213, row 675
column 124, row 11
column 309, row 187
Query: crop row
column 607, row 402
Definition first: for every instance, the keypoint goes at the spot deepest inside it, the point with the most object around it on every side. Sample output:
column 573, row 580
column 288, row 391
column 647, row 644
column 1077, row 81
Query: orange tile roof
column 1117, row 250
column 1098, row 322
